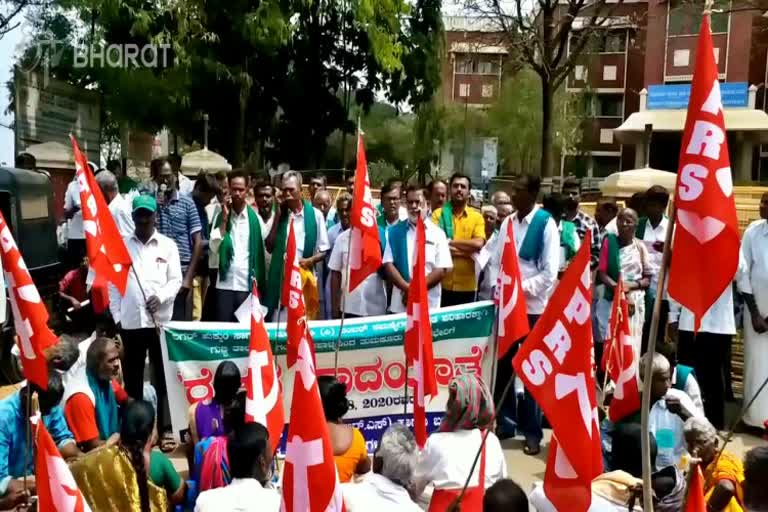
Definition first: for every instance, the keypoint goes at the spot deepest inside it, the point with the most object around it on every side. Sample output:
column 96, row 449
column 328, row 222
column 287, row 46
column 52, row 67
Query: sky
column 8, row 45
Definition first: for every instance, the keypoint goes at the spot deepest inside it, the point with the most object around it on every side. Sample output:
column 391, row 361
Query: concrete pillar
column 741, row 166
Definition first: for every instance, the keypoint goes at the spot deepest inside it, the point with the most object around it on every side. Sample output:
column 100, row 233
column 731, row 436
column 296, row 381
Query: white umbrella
column 626, row 183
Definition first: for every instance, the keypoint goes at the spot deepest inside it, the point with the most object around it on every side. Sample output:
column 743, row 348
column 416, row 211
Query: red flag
column 706, row 236
column 619, row 359
column 310, row 480
column 56, row 487
column 293, row 299
column 555, row 364
column 365, row 249
column 264, row 400
column 513, row 316
column 696, row 501
column 30, row 317
column 107, row 254
column 418, row 338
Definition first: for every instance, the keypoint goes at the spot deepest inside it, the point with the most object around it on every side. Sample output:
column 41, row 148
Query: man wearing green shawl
column 90, row 403
column 237, row 239
column 309, row 229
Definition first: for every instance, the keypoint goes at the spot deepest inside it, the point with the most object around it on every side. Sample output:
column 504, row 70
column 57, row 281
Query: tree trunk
column 546, row 127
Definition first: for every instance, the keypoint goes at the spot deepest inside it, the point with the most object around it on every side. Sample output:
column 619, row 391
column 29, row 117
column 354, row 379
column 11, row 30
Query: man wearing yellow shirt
column 465, row 229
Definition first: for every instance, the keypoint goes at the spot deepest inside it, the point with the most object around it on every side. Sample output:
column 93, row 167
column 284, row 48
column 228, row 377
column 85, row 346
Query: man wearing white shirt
column 537, row 241
column 153, row 283
column 75, row 232
column 399, row 254
column 212, row 210
column 369, row 298
column 652, row 231
column 708, row 351
column 753, row 284
column 250, row 460
column 118, row 206
column 238, row 240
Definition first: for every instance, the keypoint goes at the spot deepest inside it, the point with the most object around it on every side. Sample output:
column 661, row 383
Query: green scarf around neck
column 446, row 220
column 568, row 238
column 614, row 262
column 276, row 267
column 104, row 407
column 255, row 248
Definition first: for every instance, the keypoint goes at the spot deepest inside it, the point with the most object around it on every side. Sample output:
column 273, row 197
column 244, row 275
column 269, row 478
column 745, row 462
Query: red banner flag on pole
column 619, row 359
column 107, row 254
column 555, row 365
column 418, row 338
column 310, row 480
column 293, row 299
column 56, row 487
column 696, row 501
column 30, row 318
column 264, row 399
column 365, row 246
column 513, row 316
column 706, row 236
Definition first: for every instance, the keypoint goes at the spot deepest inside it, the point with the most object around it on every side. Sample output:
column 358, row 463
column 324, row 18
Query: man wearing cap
column 147, row 304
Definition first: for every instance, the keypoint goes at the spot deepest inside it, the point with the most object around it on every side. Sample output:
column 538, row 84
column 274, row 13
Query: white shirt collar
column 155, row 236
column 528, row 218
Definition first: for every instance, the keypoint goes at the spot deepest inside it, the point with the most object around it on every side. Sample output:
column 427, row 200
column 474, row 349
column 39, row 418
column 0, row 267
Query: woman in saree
column 211, row 456
column 206, row 418
column 623, row 257
column 130, row 477
column 723, row 475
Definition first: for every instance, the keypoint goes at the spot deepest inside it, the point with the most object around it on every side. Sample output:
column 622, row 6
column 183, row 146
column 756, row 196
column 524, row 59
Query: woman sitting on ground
column 448, row 454
column 349, row 448
column 722, row 477
column 212, row 468
column 130, row 476
column 206, row 418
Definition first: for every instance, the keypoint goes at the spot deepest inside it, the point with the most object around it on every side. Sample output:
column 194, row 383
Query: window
column 485, row 68
column 465, row 65
column 612, row 42
column 609, row 105
column 464, row 90
column 685, row 17
column 487, row 91
column 609, row 73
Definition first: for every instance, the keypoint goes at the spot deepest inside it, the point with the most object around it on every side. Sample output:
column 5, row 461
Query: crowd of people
column 229, row 230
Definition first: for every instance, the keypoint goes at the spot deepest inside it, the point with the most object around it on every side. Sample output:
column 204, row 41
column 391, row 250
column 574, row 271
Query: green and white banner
column 371, row 361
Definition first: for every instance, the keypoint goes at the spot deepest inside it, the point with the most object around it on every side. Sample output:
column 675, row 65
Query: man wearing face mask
column 399, row 253
column 177, row 218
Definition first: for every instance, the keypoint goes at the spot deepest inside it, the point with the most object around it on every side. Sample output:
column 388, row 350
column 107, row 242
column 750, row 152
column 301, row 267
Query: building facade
column 645, row 51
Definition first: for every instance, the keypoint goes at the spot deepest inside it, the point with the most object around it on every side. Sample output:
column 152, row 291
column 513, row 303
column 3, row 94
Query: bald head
column 322, row 201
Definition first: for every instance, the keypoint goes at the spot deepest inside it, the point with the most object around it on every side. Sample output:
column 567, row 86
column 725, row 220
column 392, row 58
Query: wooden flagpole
column 645, row 407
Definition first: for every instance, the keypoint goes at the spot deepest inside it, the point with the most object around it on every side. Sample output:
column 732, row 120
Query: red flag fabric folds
column 706, row 236
column 365, row 251
column 696, row 501
column 555, row 365
column 513, row 316
column 293, row 299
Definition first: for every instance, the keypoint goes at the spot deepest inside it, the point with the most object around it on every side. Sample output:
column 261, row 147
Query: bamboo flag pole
column 646, row 372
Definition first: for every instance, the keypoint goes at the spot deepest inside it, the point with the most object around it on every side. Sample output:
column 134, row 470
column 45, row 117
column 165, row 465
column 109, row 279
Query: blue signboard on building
column 672, row 97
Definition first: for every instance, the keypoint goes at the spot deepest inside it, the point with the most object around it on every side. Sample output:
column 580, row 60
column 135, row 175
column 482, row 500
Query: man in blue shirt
column 178, row 219
column 14, row 452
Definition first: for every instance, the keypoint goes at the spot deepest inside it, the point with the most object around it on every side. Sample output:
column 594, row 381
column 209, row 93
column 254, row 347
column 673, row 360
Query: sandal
column 167, row 443
column 531, row 449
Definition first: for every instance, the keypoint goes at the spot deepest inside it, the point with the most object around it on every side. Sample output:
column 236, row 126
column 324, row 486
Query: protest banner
column 371, row 361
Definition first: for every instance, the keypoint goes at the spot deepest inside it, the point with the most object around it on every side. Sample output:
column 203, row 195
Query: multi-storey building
column 639, row 70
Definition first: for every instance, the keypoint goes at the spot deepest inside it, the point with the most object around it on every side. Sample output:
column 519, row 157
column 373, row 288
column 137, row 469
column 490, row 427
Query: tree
column 542, row 32
column 10, row 14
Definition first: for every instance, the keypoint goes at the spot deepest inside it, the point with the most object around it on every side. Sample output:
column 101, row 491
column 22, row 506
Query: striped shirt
column 178, row 219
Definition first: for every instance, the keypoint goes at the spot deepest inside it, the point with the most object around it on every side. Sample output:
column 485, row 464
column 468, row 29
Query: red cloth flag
column 56, row 487
column 513, row 316
column 107, row 254
column 293, row 299
column 619, row 359
column 696, row 501
column 706, row 236
column 310, row 480
column 418, row 338
column 30, row 318
column 264, row 399
column 365, row 248
column 555, row 364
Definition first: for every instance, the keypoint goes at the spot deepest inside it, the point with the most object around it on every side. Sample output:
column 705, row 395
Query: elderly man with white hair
column 670, row 409
column 386, row 487
column 118, row 205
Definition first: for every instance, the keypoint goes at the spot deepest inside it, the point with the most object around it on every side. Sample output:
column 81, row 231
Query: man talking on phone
column 237, row 238
column 308, row 228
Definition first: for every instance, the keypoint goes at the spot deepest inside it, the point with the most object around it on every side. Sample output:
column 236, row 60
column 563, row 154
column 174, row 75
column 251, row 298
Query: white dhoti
column 755, row 367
